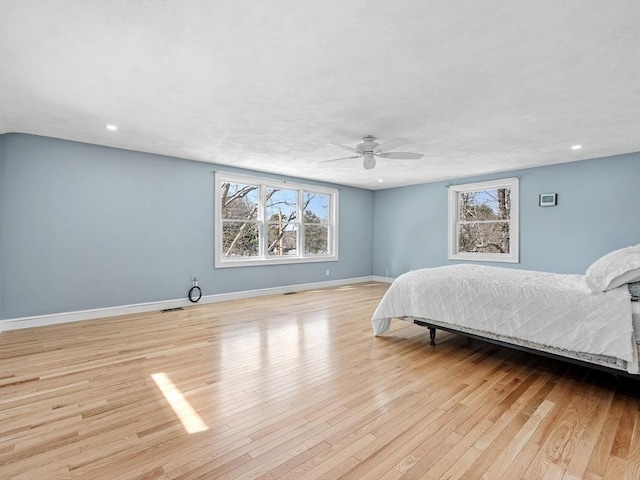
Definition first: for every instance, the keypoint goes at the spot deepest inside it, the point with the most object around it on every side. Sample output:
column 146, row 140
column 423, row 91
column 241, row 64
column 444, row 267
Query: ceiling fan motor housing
column 368, row 144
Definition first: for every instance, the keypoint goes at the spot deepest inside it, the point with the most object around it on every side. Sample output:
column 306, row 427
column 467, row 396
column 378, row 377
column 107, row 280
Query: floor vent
column 171, row 309
column 290, row 293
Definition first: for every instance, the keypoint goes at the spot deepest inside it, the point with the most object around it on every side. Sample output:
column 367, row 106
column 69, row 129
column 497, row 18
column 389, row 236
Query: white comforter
column 547, row 308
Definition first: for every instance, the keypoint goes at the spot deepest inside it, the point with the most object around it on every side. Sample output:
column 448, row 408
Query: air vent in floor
column 171, row 309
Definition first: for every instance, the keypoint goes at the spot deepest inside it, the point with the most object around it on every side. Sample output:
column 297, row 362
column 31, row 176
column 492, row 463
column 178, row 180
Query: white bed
column 566, row 315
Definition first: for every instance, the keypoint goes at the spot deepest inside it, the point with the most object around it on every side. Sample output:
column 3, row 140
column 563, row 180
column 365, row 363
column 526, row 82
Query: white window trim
column 263, row 258
column 514, row 230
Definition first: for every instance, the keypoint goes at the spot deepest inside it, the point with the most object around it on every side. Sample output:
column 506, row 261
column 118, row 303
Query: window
column 264, row 222
column 483, row 221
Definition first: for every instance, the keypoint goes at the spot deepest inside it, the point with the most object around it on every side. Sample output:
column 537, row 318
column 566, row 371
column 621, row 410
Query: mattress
column 553, row 311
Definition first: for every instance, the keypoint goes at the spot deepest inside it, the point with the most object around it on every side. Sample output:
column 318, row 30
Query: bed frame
column 432, row 341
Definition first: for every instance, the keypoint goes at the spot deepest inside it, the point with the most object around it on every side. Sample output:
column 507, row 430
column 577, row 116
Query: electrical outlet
column 327, row 272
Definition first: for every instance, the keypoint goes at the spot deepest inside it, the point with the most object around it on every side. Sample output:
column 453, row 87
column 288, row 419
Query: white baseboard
column 377, row 278
column 64, row 317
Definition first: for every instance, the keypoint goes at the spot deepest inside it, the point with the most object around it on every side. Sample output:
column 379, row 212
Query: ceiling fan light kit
column 369, row 149
column 369, row 161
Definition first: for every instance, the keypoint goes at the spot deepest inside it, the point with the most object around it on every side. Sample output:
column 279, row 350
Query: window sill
column 485, row 257
column 274, row 261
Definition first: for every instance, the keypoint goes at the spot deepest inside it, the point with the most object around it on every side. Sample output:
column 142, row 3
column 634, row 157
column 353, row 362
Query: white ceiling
column 477, row 86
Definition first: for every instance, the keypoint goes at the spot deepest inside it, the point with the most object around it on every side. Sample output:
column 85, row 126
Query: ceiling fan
column 369, row 149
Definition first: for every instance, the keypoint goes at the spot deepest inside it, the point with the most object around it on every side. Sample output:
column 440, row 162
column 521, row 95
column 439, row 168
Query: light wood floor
column 296, row 387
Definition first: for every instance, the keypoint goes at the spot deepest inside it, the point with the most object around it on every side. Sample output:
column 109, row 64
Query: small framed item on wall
column 548, row 199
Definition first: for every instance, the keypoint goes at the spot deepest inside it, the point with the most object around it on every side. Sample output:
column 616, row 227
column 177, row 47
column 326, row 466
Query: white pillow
column 614, row 269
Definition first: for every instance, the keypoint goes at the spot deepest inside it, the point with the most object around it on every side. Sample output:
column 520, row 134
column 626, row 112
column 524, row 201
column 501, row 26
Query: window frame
column 514, row 226
column 263, row 258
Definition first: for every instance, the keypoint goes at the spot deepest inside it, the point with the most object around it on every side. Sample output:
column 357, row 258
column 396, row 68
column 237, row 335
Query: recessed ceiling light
column 576, row 147
column 113, row 128
column 380, row 180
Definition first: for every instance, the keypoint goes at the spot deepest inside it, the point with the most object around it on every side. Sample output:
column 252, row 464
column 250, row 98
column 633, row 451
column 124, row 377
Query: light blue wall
column 598, row 211
column 86, row 227
column 83, row 226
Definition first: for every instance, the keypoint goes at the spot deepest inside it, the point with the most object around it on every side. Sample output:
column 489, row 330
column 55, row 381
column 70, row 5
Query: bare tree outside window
column 241, row 225
column 239, row 213
column 316, row 224
column 282, row 238
column 484, row 221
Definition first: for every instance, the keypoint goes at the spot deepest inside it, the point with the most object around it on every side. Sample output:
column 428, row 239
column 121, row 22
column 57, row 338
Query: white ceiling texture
column 478, row 86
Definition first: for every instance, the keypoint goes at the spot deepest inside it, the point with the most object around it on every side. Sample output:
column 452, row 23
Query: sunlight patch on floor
column 190, row 419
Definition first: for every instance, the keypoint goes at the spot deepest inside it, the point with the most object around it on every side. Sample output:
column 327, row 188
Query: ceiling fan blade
column 402, row 155
column 391, row 144
column 341, row 158
column 345, row 147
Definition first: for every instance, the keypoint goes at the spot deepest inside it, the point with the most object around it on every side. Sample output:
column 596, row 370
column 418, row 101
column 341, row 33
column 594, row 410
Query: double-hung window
column 264, row 222
column 483, row 221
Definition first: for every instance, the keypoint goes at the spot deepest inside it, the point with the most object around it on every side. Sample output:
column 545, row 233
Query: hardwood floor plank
column 286, row 466
column 321, row 464
column 615, row 468
column 566, row 423
column 297, row 386
column 596, row 417
column 628, row 417
column 504, row 460
column 632, row 469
